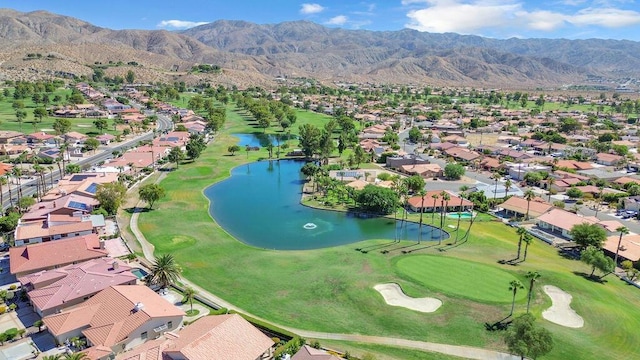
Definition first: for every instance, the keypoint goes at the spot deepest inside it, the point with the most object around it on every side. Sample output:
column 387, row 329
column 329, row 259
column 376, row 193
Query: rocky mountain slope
column 253, row 53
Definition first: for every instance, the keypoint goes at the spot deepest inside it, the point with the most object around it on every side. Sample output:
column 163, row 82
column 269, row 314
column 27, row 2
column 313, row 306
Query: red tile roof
column 35, row 257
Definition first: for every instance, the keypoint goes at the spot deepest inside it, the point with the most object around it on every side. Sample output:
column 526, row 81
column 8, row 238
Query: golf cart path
column 455, row 350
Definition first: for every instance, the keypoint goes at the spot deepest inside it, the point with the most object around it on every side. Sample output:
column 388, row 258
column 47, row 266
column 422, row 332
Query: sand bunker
column 393, row 295
column 560, row 311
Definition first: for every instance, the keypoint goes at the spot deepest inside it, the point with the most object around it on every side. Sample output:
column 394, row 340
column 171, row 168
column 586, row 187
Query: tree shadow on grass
column 136, row 209
column 366, row 249
column 418, row 249
column 592, row 278
column 399, row 248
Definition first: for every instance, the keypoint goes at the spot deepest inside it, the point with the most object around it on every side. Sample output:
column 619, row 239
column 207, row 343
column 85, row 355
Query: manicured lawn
column 382, row 352
column 8, row 119
column 332, row 289
column 461, row 278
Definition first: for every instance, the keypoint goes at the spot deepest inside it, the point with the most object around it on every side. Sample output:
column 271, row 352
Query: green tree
column 130, row 77
column 110, row 196
column 150, row 193
column 233, row 149
column 514, row 286
column 76, row 356
column 525, row 339
column 528, row 239
column 39, row 113
column 20, row 116
column 165, row 271
column 623, row 230
column 453, row 171
column 176, row 155
column 100, row 124
column 574, row 193
column 91, row 144
column 596, row 258
column 189, row 294
column 25, row 202
column 195, row 146
column 310, row 137
column 73, row 169
column 415, row 135
column 414, row 183
column 62, row 126
column 359, row 155
column 522, row 231
column 378, row 200
column 587, row 234
column 533, row 276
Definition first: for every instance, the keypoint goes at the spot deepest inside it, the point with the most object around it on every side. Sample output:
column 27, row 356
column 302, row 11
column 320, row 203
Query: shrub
column 3, row 309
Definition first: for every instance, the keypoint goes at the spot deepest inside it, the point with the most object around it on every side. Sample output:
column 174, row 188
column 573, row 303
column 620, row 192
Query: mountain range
column 255, row 53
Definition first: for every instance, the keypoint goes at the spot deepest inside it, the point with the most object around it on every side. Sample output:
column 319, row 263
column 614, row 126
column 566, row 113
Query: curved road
column 455, row 350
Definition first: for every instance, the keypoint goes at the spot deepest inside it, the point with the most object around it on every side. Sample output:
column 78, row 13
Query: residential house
column 625, row 180
column 14, row 151
column 517, row 207
column 5, row 168
column 221, row 337
column 491, row 164
column 74, row 138
column 118, row 318
column 41, row 138
column 67, row 205
column 517, row 171
column 395, row 162
column 431, row 204
column 105, row 139
column 462, row 154
column 426, row 171
column 51, row 291
column 560, row 222
column 6, row 136
column 374, row 132
column 53, row 254
column 351, row 175
column 608, row 159
column 307, row 352
column 632, row 203
column 57, row 227
column 629, row 248
column 172, row 139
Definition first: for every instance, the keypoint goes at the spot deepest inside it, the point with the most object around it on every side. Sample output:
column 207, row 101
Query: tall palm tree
column 550, row 182
column 623, row 231
column 3, row 181
column 528, row 195
column 422, row 193
column 463, row 192
column 189, row 293
column 528, row 239
column 433, row 212
column 514, row 286
column 7, row 180
column 444, row 203
column 521, row 232
column 50, row 167
column 17, row 173
column 165, row 271
column 533, row 276
column 507, row 187
column 495, row 178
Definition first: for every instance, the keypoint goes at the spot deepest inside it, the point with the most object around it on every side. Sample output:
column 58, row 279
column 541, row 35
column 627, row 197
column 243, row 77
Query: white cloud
column 179, row 24
column 453, row 16
column 473, row 16
column 311, row 8
column 337, row 20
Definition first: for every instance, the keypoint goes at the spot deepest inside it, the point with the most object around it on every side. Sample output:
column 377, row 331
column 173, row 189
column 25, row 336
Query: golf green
column 459, row 278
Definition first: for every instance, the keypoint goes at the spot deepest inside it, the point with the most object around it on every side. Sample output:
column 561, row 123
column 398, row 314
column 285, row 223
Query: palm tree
column 533, row 276
column 3, row 181
column 522, row 232
column 76, row 356
column 189, row 293
column 623, row 231
column 507, row 186
column 433, row 212
column 422, row 193
column 550, row 182
column 444, row 203
column 514, row 286
column 7, row 180
column 50, row 167
column 463, row 190
column 495, row 177
column 165, row 271
column 17, row 173
column 528, row 195
column 52, row 357
column 528, row 239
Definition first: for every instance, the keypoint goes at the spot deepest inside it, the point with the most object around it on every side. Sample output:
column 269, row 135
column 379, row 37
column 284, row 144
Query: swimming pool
column 139, row 273
column 464, row 215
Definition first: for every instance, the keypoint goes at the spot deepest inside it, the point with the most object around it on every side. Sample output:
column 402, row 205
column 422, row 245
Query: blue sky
column 572, row 19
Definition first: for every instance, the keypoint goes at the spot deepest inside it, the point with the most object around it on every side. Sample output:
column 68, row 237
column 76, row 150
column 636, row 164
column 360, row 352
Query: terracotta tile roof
column 421, row 168
column 517, row 204
column 564, row 219
column 308, row 353
column 221, row 337
column 454, row 201
column 629, row 247
column 40, row 210
column 625, row 180
column 35, row 257
column 40, row 229
column 108, row 315
column 55, row 287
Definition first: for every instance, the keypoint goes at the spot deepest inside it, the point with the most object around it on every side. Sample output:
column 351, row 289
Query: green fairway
column 459, row 278
column 331, row 289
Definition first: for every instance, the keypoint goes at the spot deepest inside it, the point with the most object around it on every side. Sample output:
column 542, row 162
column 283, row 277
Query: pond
column 260, row 206
column 262, row 140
